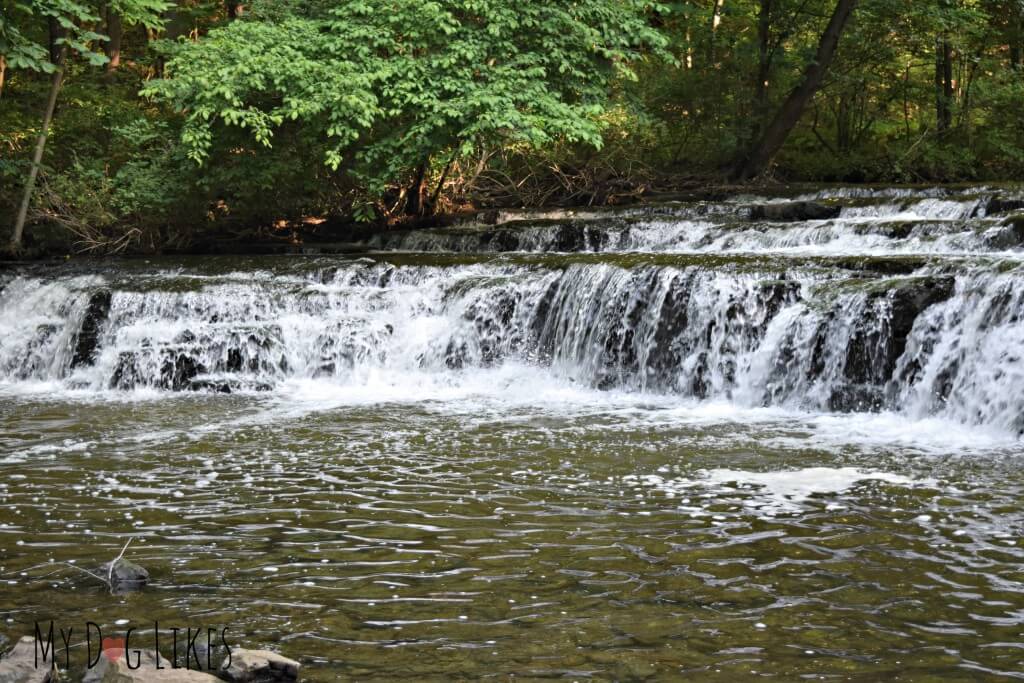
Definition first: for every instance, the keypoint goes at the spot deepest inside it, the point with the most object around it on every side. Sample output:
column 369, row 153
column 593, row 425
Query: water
column 796, row 454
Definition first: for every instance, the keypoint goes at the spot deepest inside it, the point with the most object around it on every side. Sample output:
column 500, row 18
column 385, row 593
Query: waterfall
column 909, row 303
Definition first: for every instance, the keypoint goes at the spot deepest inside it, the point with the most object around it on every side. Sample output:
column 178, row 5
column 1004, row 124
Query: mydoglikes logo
column 198, row 649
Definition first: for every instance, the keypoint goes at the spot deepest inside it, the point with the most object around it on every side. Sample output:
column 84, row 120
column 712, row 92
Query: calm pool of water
column 500, row 525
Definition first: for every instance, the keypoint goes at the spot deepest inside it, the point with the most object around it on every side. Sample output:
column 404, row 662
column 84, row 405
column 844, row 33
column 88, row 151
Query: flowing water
column 704, row 439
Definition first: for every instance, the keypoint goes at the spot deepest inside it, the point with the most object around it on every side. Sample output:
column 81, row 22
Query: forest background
column 138, row 126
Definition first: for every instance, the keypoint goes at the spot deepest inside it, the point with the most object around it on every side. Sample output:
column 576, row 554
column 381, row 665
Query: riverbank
column 326, row 234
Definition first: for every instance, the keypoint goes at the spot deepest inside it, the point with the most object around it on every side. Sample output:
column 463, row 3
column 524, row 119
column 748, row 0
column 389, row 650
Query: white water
column 942, row 342
column 871, row 223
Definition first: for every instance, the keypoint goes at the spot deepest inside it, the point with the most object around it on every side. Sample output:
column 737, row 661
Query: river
column 698, row 439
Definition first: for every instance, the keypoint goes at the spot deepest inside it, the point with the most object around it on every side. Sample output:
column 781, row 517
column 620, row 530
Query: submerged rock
column 19, row 665
column 794, row 211
column 125, row 575
column 258, row 666
column 88, row 336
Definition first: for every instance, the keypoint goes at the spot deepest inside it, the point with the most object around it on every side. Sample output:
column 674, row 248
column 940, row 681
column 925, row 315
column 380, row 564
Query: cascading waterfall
column 909, row 303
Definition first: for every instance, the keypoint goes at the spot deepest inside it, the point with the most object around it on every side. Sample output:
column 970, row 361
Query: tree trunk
column 414, row 195
column 56, row 33
column 764, row 67
column 789, row 114
column 113, row 46
column 1016, row 40
column 37, row 157
column 716, row 19
column 943, row 84
column 3, row 73
column 235, row 9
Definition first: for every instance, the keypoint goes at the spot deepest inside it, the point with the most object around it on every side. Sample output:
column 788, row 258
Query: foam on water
column 769, row 493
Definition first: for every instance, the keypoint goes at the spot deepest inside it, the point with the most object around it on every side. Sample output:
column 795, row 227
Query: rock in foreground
column 117, row 671
column 19, row 665
column 259, row 666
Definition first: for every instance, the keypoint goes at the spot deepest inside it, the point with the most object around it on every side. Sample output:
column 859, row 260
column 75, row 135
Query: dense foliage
column 179, row 122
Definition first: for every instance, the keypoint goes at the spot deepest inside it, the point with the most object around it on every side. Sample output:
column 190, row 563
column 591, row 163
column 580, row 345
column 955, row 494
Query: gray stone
column 258, row 666
column 126, row 575
column 794, row 211
column 118, row 671
column 19, row 666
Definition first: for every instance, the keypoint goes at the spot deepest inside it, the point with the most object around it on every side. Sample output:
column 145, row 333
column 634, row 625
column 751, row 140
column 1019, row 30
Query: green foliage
column 303, row 108
column 385, row 85
column 75, row 18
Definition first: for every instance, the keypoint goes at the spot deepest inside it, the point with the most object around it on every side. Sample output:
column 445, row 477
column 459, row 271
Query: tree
column 789, row 114
column 71, row 38
column 390, row 85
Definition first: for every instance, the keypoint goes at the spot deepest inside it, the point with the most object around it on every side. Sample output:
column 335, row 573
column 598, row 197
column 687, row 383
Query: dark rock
column 881, row 265
column 501, row 240
column 210, row 386
column 881, row 338
column 125, row 575
column 911, row 299
column 794, row 211
column 88, row 336
column 234, row 363
column 258, row 666
column 177, row 374
column 896, row 230
column 126, row 372
column 997, row 205
column 857, row 398
column 1009, row 235
column 19, row 665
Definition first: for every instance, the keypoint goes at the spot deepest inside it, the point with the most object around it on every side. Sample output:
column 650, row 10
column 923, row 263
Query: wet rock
column 857, row 398
column 234, row 362
column 794, row 211
column 126, row 372
column 913, row 297
column 881, row 338
column 997, row 205
column 19, row 665
column 775, row 294
column 500, row 240
column 455, row 355
column 489, row 217
column 125, row 575
column 210, row 386
column 894, row 230
column 1009, row 235
column 258, row 666
column 177, row 374
column 145, row 670
column 881, row 265
column 88, row 336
